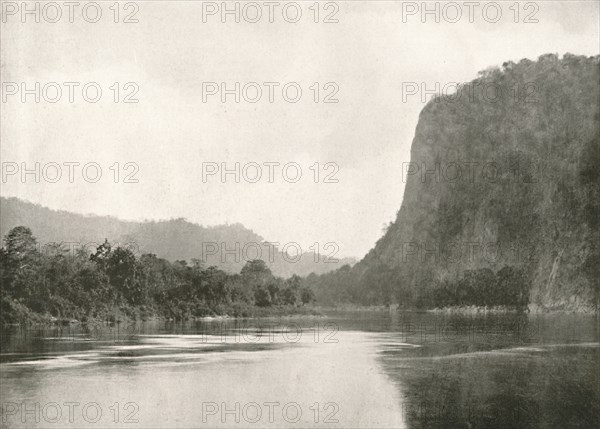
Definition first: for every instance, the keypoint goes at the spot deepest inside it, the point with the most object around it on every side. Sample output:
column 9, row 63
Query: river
column 346, row 370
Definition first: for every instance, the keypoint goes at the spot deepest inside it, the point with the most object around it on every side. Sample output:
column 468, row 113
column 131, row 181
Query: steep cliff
column 504, row 174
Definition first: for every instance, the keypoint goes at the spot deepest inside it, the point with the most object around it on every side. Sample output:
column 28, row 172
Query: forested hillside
column 227, row 247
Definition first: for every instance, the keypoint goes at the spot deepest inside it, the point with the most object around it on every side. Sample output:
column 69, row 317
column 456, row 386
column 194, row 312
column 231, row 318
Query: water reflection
column 509, row 371
column 361, row 369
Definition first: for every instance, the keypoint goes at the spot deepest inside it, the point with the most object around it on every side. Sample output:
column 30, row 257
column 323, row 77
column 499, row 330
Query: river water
column 345, row 370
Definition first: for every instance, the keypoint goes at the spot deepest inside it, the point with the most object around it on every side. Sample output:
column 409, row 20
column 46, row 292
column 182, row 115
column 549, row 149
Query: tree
column 102, row 254
column 20, row 257
column 262, row 297
column 291, row 293
column 215, row 287
column 121, row 271
column 307, row 295
column 256, row 272
column 256, row 276
column 21, row 245
column 20, row 240
column 274, row 292
column 513, row 284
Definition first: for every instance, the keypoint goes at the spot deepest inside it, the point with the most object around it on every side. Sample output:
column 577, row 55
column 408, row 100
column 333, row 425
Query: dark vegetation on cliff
column 112, row 283
column 502, row 198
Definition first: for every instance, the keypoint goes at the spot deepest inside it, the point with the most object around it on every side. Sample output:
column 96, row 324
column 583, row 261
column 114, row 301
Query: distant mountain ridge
column 225, row 246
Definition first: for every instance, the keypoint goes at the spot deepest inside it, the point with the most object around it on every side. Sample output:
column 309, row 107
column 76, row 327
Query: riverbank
column 531, row 309
column 129, row 315
column 580, row 308
column 132, row 315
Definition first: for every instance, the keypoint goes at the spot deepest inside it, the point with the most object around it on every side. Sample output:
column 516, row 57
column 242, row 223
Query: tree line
column 36, row 286
column 380, row 284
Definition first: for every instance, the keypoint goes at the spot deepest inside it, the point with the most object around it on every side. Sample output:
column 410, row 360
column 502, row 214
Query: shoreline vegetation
column 42, row 320
column 124, row 317
column 112, row 286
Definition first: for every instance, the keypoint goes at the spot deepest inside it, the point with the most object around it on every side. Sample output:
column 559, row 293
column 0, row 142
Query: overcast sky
column 171, row 132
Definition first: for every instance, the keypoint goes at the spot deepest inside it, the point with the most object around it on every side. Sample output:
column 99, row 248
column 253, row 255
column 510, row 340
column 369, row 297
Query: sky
column 169, row 147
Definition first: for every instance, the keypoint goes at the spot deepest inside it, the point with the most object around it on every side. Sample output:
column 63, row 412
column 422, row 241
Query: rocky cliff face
column 503, row 173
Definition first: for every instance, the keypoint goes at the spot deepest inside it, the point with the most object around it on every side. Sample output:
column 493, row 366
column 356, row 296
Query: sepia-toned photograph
column 349, row 214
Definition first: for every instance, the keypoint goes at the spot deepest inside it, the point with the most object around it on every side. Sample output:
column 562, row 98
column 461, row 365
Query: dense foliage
column 506, row 288
column 37, row 285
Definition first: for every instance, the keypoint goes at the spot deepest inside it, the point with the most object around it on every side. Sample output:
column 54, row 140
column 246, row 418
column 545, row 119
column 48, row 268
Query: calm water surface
column 350, row 370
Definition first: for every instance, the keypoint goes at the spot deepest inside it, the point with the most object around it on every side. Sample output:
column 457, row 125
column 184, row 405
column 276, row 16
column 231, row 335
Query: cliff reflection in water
column 509, row 371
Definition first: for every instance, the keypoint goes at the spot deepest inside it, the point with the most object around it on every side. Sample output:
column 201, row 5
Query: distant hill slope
column 173, row 239
column 504, row 178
